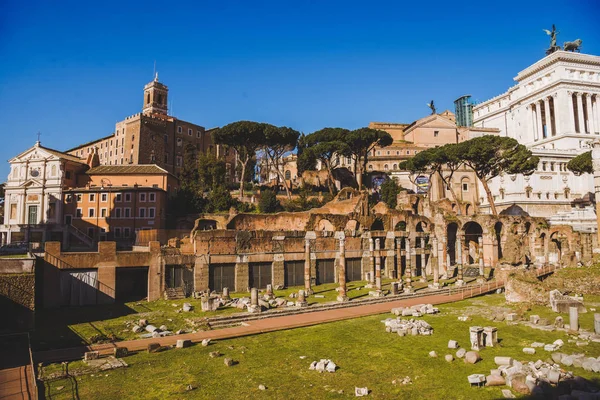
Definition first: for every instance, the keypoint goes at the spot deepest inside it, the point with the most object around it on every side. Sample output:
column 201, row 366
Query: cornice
column 558, row 56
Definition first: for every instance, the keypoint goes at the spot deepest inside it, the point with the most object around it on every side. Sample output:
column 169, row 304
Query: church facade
column 553, row 109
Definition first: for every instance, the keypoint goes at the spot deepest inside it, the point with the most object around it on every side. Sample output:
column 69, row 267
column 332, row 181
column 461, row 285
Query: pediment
column 34, row 154
column 30, row 183
column 431, row 121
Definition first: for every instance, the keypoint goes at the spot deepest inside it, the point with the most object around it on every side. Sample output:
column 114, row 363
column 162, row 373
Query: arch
column 207, row 224
column 465, row 184
column 385, row 167
column 421, row 226
column 160, row 99
column 288, row 175
column 395, row 167
column 473, row 232
column 400, row 226
column 352, row 225
column 468, row 209
column 498, row 226
column 325, row 225
column 377, row 225
column 451, row 231
column 148, row 98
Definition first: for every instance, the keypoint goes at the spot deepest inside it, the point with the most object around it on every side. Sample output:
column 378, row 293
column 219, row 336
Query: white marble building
column 554, row 110
column 34, row 194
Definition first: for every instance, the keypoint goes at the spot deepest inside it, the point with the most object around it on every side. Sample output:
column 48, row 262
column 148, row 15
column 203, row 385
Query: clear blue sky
column 71, row 69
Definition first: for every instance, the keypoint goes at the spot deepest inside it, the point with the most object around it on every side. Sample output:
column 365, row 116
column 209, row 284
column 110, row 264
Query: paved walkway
column 16, row 376
column 252, row 328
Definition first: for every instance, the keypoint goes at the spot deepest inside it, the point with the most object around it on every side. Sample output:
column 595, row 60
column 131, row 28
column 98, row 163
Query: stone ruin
column 404, row 327
column 561, row 303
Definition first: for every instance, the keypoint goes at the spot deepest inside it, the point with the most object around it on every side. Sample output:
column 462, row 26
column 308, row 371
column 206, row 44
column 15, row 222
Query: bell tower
column 155, row 97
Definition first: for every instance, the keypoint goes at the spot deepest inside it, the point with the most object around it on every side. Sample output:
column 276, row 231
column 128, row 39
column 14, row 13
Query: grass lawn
column 73, row 326
column 365, row 353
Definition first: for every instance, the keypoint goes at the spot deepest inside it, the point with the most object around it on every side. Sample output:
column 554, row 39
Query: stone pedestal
column 394, row 288
column 301, row 302
column 476, row 338
column 597, row 324
column 225, row 295
column 269, row 295
column 254, row 307
column 574, row 318
column 491, row 336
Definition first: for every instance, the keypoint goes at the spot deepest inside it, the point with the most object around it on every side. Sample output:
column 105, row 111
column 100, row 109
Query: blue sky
column 71, row 70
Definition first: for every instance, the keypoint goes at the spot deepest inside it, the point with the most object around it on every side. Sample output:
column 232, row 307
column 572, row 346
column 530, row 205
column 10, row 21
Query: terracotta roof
column 92, row 142
column 63, row 155
column 145, row 169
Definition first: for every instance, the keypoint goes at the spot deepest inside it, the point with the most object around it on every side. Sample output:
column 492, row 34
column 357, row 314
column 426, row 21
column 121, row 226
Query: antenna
column 154, row 72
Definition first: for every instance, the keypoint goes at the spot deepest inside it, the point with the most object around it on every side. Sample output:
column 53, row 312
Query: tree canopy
column 389, row 193
column 360, row 143
column 582, row 164
column 277, row 142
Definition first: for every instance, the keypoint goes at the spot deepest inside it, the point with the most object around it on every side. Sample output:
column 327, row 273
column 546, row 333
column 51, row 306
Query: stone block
column 120, row 352
column 154, row 347
column 183, row 343
column 91, row 355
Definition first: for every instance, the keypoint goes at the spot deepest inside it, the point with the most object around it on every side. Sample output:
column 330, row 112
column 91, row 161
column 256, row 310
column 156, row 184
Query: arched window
column 385, row 167
column 370, row 167
column 395, row 166
column 288, row 175
column 148, row 98
column 160, row 99
column 53, row 170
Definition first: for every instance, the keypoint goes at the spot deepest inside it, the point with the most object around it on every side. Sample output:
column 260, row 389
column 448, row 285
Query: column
column 590, row 114
column 557, row 117
column 549, row 130
column 442, row 261
column 399, row 259
column 423, row 261
column 596, row 111
column 533, row 121
column 408, row 270
column 481, row 260
column 459, row 260
column 571, row 112
column 307, row 287
column 435, row 263
column 342, row 296
column 540, row 123
column 580, row 113
column 378, row 273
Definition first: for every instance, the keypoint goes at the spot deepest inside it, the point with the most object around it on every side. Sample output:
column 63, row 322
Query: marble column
column 423, row 261
column 435, row 264
column 549, row 130
column 531, row 121
column 408, row 269
column 557, row 119
column 378, row 273
column 459, row 260
column 307, row 287
column 580, row 113
column 342, row 292
column 540, row 123
column 399, row 260
column 443, row 260
column 571, row 112
column 596, row 110
column 590, row 114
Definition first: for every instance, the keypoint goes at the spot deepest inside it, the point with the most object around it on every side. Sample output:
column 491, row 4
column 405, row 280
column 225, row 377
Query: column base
column 408, row 289
column 342, row 299
column 423, row 279
column 376, row 293
column 459, row 282
column 481, row 279
column 309, row 292
column 434, row 285
column 254, row 309
column 301, row 304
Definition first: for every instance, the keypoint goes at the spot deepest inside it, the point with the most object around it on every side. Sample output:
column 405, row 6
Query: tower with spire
column 155, row 97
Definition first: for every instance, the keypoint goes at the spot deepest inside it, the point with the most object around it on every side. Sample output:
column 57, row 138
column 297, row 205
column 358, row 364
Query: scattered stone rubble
column 405, row 327
column 415, row 311
column 323, row 365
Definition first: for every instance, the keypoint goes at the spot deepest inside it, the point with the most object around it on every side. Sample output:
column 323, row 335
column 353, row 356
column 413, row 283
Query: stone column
column 225, row 295
column 390, row 252
column 435, row 263
column 442, row 259
column 596, row 112
column 399, row 260
column 574, row 319
column 481, row 261
column 301, row 302
column 590, row 113
column 580, row 113
column 549, row 130
column 597, row 324
column 378, row 273
column 408, row 270
column 307, row 286
column 538, row 115
column 342, row 296
column 530, row 121
column 476, row 337
column 571, row 112
column 423, row 261
column 557, row 117
column 459, row 260
column 254, row 307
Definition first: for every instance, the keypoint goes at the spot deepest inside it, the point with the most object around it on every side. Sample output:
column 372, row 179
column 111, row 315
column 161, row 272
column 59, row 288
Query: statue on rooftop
column 432, row 106
column 573, row 46
column 552, row 34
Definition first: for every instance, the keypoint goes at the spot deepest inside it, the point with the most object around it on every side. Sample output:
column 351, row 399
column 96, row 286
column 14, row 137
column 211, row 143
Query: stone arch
column 288, row 175
column 377, row 225
column 325, row 225
column 451, row 231
column 421, row 226
column 206, row 224
column 468, row 209
column 352, row 225
column 557, row 246
column 400, row 226
column 473, row 236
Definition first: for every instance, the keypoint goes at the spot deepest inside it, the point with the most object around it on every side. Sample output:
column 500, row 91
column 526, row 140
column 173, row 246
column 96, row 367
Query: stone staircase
column 174, row 293
column 85, row 239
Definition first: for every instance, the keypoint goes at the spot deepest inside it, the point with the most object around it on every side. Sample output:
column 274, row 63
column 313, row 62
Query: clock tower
column 155, row 97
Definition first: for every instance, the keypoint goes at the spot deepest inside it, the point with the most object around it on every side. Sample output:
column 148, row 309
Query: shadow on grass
column 52, row 326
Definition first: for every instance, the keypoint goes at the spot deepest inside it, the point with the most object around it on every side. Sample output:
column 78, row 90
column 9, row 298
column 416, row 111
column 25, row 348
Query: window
column 385, row 167
column 53, row 170
column 465, row 187
column 127, row 197
column 78, row 213
column 370, row 167
column 142, row 212
column 152, row 158
column 288, row 175
column 117, row 213
column 378, row 153
column 68, row 198
column 92, row 197
column 166, row 158
column 544, row 166
column 151, row 212
column 179, row 129
column 166, row 139
column 551, row 166
column 152, row 197
column 13, row 211
column 118, row 197
column 190, row 132
column 103, row 212
column 436, row 133
column 68, row 174
column 142, row 197
column 117, row 232
column 91, row 212
column 178, row 161
column 198, row 134
column 179, row 142
column 126, row 232
column 104, row 197
column 395, row 166
column 127, row 212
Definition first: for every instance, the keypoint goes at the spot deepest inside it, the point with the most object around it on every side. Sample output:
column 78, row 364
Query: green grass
column 365, row 353
column 73, row 326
